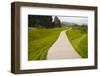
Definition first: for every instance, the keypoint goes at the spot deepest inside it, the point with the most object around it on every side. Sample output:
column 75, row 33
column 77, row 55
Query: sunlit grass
column 79, row 41
column 40, row 40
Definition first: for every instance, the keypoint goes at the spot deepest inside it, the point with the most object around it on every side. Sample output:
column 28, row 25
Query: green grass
column 40, row 40
column 79, row 41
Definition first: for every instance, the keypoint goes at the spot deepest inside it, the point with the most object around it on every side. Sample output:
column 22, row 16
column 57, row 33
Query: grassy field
column 79, row 41
column 40, row 40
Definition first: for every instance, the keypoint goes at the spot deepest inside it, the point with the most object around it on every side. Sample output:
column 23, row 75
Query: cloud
column 79, row 20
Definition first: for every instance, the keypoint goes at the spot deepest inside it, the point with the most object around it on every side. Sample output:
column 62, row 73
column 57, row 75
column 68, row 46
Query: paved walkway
column 62, row 49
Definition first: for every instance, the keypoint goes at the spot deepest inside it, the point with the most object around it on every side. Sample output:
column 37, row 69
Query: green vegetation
column 42, row 33
column 40, row 40
column 44, row 30
column 43, row 21
column 79, row 40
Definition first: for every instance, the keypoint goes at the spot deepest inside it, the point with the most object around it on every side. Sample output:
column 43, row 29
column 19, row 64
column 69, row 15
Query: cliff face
column 57, row 22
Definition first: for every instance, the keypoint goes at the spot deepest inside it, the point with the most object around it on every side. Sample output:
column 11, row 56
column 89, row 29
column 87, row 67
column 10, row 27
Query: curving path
column 62, row 49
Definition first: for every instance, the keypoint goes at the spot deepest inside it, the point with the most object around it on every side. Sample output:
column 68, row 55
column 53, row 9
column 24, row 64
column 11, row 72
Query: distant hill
column 67, row 23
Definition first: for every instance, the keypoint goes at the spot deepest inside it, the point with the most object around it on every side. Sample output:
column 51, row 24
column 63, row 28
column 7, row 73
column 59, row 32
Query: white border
column 25, row 64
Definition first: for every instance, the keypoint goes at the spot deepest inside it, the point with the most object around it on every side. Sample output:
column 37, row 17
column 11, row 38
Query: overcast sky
column 79, row 20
